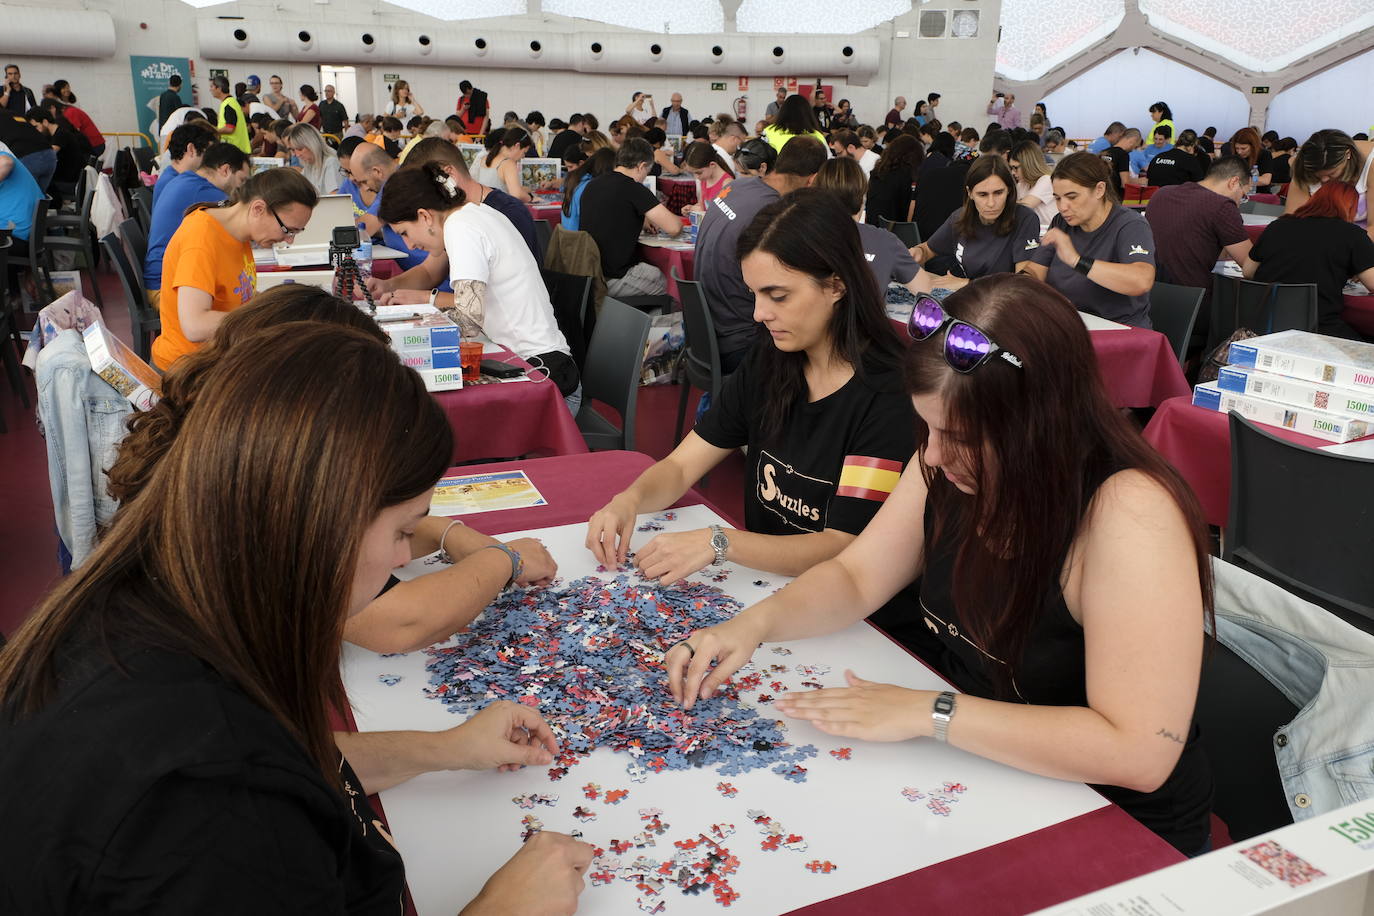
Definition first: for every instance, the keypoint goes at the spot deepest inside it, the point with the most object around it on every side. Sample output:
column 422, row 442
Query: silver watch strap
column 942, row 711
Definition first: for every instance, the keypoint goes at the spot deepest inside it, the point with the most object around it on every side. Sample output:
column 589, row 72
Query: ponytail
column 424, row 187
column 701, row 153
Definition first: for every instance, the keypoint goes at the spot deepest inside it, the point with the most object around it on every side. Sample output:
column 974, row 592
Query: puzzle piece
column 913, row 795
column 616, row 796
column 781, row 650
column 816, row 866
column 724, row 788
column 584, row 814
column 939, row 806
column 390, row 680
column 842, row 753
column 591, row 790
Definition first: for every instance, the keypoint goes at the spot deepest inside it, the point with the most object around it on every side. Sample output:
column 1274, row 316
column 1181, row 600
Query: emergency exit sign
column 392, row 77
column 717, row 87
column 1259, row 90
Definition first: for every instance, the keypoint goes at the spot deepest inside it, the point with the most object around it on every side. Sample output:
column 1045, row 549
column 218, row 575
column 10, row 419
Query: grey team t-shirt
column 1123, row 238
column 986, row 252
column 888, row 258
column 717, row 266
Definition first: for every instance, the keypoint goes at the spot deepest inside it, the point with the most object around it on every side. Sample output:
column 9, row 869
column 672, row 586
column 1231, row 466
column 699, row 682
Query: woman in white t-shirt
column 1033, row 187
column 497, row 288
column 402, row 106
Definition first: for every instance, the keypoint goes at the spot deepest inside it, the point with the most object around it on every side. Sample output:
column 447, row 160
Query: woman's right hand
column 377, row 286
column 543, row 879
column 610, row 529
column 729, row 645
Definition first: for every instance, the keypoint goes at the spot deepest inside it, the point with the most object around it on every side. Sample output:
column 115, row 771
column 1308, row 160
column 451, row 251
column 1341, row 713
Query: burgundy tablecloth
column 677, row 192
column 551, row 212
column 1254, row 232
column 510, row 419
column 668, row 260
column 1138, row 366
column 1197, row 442
column 1266, row 198
column 1359, row 314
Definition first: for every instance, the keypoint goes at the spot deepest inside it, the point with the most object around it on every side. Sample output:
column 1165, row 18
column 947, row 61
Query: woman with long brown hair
column 1246, row 144
column 407, row 615
column 991, row 233
column 1064, row 571
column 890, row 186
column 164, row 713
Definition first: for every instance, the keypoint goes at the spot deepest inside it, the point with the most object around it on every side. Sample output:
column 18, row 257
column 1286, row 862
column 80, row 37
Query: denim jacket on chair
column 1325, row 667
column 83, row 421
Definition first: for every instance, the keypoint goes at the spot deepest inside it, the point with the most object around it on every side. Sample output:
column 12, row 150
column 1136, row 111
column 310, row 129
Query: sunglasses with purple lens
column 966, row 347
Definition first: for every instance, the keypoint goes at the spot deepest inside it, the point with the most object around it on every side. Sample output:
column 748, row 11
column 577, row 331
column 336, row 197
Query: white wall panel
column 1338, row 97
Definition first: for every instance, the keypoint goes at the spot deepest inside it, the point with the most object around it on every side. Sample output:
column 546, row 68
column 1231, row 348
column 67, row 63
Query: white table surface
column 455, row 829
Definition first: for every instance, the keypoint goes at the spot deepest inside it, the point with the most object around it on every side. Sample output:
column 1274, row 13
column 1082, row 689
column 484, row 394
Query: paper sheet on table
column 1360, row 448
column 455, row 829
column 484, row 493
column 1095, row 323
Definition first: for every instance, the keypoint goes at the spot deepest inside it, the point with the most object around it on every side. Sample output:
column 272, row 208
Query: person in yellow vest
column 233, row 125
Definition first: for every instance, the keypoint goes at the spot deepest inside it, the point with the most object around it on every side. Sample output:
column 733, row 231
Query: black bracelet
column 1084, row 265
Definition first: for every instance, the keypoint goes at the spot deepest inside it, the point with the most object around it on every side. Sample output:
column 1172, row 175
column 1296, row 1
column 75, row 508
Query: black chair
column 615, row 357
column 10, row 338
column 1259, row 209
column 1173, row 312
column 570, row 296
column 701, row 355
column 143, row 206
column 1301, row 517
column 1238, row 713
column 1265, row 308
column 144, row 322
column 38, row 260
column 909, row 233
column 72, row 232
column 136, row 242
column 543, row 233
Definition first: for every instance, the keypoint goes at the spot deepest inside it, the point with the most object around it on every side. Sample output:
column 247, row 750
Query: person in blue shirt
column 1109, row 137
column 599, row 162
column 187, row 147
column 1141, row 158
column 18, row 194
column 222, row 169
column 370, row 167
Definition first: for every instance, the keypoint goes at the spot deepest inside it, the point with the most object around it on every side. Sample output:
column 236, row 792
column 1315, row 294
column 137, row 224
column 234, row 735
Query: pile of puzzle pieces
column 588, row 655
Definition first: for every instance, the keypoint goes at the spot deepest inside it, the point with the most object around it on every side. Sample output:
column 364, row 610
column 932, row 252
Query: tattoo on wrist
column 1165, row 733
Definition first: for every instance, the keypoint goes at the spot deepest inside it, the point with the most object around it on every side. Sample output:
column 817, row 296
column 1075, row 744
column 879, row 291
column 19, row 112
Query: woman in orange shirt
column 208, row 270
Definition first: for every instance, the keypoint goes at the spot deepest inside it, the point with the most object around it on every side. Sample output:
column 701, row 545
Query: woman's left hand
column 504, row 736
column 675, row 555
column 864, row 709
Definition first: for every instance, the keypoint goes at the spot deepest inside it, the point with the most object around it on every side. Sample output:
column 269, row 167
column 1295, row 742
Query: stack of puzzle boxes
column 427, row 341
column 1312, row 384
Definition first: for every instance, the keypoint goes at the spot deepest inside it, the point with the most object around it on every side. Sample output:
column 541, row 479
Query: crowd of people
column 971, row 489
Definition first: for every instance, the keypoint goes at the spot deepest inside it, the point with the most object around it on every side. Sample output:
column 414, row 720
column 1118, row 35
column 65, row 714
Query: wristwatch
column 1084, row 265
column 941, row 712
column 719, row 543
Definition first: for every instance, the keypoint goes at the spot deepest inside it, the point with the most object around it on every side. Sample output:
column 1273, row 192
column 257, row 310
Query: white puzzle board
column 455, row 829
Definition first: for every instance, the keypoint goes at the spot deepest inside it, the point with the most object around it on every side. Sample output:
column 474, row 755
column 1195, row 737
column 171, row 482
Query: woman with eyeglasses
column 1064, row 571
column 208, row 268
column 817, row 401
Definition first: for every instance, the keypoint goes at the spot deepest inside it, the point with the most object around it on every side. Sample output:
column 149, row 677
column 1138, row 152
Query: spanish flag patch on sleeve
column 868, row 478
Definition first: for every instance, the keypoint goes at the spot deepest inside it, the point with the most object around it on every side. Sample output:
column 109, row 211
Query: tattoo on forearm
column 1165, row 733
column 468, row 306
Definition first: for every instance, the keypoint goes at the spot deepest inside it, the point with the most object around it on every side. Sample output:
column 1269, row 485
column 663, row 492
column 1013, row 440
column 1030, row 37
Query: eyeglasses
column 286, row 230
column 966, row 347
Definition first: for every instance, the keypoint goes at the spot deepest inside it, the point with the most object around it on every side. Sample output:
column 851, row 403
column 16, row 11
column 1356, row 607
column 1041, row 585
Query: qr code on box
column 1321, row 399
column 1282, row 864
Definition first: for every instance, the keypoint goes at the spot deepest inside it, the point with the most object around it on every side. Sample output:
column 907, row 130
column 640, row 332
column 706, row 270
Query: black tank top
column 1052, row 672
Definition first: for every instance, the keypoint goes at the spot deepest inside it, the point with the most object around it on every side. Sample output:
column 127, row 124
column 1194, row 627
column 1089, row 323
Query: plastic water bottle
column 363, row 256
column 1254, row 179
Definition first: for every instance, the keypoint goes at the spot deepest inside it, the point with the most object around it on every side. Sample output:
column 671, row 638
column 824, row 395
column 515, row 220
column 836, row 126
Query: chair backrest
column 136, row 240
column 615, row 357
column 1301, row 517
column 543, row 233
column 569, row 295
column 1173, row 312
column 1263, row 209
column 701, row 355
column 909, row 233
column 141, row 320
column 143, row 206
column 1265, row 308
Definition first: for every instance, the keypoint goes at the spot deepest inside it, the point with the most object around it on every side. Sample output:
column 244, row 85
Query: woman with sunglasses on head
column 817, row 401
column 165, row 744
column 990, row 234
column 1064, row 571
column 1097, row 252
column 208, row 268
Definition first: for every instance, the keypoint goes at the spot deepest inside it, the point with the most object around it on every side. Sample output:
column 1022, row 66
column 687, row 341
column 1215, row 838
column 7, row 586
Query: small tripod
column 347, row 277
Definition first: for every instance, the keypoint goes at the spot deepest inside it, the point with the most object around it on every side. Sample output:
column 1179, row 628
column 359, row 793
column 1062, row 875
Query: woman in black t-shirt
column 164, row 713
column 990, row 234
column 890, row 186
column 1245, row 143
column 817, row 402
column 1064, row 566
column 1318, row 244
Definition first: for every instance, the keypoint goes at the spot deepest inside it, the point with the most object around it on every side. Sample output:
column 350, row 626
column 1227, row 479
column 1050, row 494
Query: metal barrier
column 147, row 141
